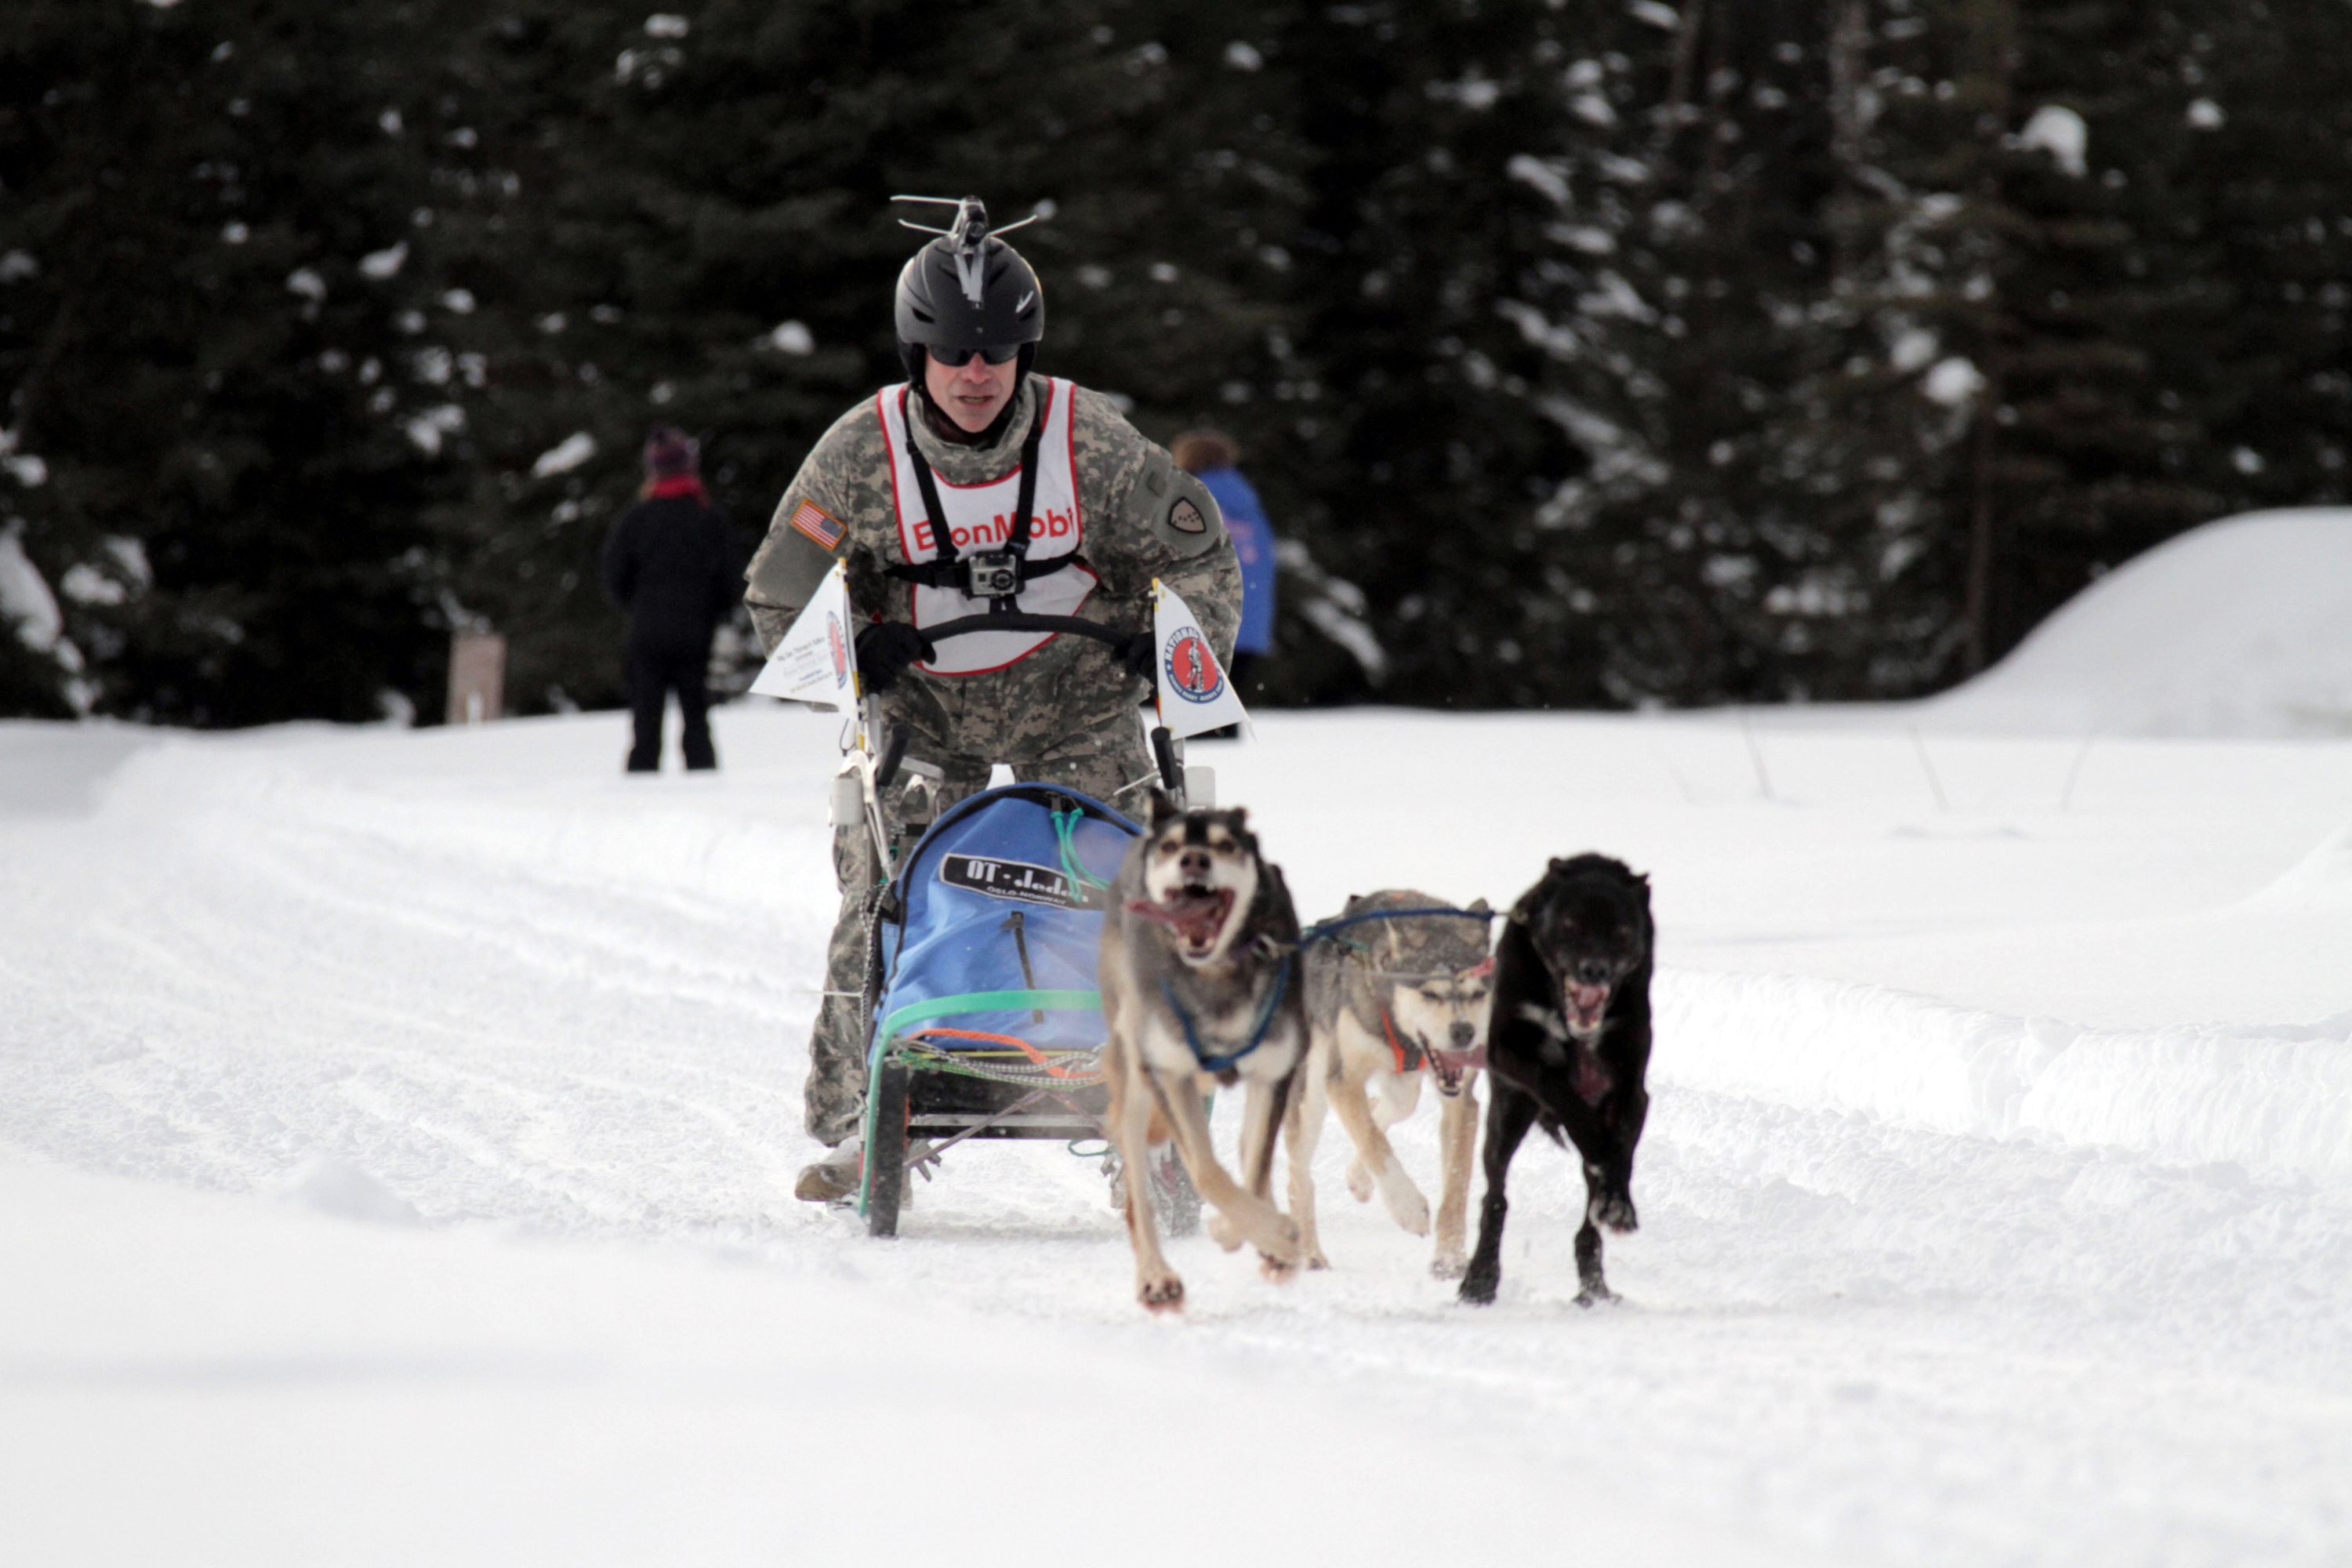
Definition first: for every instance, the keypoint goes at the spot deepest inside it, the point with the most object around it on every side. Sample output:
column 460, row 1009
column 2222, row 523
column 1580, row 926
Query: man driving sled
column 972, row 438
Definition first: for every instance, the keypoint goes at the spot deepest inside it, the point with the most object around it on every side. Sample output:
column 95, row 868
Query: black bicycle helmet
column 968, row 290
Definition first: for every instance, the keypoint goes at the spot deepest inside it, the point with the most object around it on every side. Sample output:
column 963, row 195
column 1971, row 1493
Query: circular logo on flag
column 1192, row 672
column 840, row 648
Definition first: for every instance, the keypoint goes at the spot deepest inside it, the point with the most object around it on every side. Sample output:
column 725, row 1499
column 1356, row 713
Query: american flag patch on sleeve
column 812, row 521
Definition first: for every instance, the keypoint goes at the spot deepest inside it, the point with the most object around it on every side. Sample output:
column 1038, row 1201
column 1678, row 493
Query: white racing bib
column 980, row 517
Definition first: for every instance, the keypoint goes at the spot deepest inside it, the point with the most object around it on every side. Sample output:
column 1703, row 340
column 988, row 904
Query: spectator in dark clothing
column 672, row 563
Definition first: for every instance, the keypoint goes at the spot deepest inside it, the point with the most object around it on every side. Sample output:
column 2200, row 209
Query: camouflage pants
column 1108, row 760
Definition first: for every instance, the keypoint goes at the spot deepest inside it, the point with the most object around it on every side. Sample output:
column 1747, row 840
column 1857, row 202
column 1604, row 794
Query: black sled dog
column 1567, row 1043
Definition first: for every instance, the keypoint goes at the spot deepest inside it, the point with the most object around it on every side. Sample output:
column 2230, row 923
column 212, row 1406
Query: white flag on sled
column 817, row 661
column 1195, row 693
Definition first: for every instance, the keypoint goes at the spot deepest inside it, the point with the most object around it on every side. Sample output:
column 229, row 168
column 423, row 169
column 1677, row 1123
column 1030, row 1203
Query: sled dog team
column 1208, row 980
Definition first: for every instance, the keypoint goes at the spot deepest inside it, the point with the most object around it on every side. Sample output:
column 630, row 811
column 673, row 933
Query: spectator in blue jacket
column 1211, row 456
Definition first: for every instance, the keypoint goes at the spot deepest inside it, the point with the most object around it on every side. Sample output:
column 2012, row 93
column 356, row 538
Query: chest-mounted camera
column 992, row 574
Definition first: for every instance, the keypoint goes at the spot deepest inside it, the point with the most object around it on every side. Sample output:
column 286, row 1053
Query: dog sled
column 985, row 1018
column 982, row 1013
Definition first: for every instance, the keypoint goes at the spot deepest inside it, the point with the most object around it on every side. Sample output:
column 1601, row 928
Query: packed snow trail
column 1957, row 1247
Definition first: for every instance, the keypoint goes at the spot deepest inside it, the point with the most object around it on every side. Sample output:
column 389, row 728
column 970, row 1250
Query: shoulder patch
column 1185, row 519
column 790, row 562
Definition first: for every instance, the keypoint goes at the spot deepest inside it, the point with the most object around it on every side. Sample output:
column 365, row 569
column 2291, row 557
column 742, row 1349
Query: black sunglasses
column 956, row 359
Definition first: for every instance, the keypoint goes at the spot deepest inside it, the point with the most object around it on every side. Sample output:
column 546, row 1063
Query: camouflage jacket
column 1129, row 493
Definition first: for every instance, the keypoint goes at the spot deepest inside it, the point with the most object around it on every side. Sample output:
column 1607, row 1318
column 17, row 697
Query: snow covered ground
column 397, row 1128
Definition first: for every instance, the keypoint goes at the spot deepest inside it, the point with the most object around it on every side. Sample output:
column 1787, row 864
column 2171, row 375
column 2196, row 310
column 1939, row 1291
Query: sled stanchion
column 893, row 751
column 1163, row 752
column 886, row 1150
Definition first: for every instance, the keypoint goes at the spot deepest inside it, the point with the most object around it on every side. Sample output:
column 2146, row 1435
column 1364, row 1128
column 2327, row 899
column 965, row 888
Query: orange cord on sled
column 1023, row 1047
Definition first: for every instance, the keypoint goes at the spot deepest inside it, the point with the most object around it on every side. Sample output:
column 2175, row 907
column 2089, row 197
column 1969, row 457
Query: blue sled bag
column 988, row 939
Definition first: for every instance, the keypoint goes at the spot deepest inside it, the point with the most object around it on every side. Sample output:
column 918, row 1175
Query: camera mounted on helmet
column 968, row 292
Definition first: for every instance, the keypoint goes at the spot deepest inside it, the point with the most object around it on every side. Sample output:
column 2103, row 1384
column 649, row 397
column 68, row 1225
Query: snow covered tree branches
column 1591, row 354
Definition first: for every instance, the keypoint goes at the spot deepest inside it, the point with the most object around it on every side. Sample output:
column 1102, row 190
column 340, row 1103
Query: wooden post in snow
column 478, row 677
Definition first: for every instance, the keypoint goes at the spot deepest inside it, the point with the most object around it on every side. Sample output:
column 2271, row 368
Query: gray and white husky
column 1201, row 986
column 1391, row 1002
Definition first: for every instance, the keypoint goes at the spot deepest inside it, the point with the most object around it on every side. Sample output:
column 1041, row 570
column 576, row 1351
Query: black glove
column 885, row 649
column 1140, row 653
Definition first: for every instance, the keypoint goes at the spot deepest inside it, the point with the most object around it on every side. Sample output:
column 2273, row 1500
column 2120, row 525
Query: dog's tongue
column 1453, row 1067
column 1585, row 1004
column 1193, row 913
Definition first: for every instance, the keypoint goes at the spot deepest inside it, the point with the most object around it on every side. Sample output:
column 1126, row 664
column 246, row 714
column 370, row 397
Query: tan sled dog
column 1200, row 986
column 1392, row 1000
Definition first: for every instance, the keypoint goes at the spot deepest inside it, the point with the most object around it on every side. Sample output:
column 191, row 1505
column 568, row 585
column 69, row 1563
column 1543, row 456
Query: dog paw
column 1278, row 1271
column 1313, row 1259
column 1161, row 1293
column 1360, row 1181
column 1447, row 1265
column 1407, row 1207
column 1614, row 1212
column 1596, row 1293
column 1478, row 1286
column 1223, row 1232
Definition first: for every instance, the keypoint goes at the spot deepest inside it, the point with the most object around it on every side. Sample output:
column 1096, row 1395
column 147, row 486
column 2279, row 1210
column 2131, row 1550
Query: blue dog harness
column 1225, row 1063
column 1323, row 930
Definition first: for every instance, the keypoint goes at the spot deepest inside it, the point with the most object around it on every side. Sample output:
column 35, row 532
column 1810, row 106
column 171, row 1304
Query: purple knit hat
column 671, row 452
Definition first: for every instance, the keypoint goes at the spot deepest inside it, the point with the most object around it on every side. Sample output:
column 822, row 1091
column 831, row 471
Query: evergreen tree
column 1700, row 320
column 1585, row 354
column 1409, row 447
column 2138, row 275
column 207, row 362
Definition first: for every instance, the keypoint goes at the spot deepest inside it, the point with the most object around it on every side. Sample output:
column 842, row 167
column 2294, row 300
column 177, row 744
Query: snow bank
column 2320, row 882
column 2275, row 1097
column 49, row 767
column 2240, row 627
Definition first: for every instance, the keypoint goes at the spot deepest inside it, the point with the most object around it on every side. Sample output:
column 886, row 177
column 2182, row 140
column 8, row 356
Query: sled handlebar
column 1022, row 621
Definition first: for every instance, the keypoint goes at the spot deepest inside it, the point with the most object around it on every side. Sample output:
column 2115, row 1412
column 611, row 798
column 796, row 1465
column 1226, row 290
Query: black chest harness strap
column 947, row 569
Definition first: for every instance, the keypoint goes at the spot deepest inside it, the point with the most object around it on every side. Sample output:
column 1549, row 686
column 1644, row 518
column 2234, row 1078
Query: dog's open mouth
column 1195, row 912
column 1451, row 1070
column 1585, row 1006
